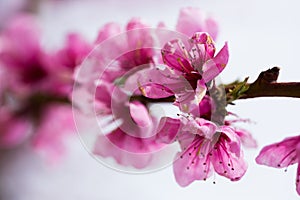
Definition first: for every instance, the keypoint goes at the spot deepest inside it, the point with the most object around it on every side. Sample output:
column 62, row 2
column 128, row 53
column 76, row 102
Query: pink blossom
column 131, row 144
column 108, row 30
column 186, row 73
column 13, row 130
column 282, row 154
column 33, row 105
column 21, row 54
column 126, row 149
column 198, row 61
column 207, row 148
column 56, row 125
column 62, row 64
column 191, row 20
column 75, row 50
column 135, row 70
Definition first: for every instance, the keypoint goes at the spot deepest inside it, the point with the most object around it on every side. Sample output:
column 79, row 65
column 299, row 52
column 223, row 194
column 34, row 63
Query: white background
column 261, row 34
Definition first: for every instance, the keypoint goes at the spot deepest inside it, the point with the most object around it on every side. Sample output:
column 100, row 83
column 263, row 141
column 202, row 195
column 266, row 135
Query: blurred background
column 261, row 34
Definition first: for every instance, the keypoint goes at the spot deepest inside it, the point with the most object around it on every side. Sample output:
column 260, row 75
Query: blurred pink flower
column 21, row 55
column 55, row 127
column 133, row 142
column 64, row 62
column 282, row 154
column 13, row 130
column 37, row 84
column 191, row 20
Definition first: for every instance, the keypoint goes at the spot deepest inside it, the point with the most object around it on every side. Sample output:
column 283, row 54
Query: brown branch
column 266, row 86
column 146, row 100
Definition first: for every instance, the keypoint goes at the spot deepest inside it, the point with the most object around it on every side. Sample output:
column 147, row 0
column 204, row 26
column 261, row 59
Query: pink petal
column 206, row 107
column 190, row 166
column 75, row 50
column 22, row 39
column 212, row 27
column 191, row 20
column 246, row 138
column 125, row 149
column 298, row 179
column 136, row 23
column 103, row 96
column 168, row 129
column 140, row 40
column 206, row 128
column 139, row 114
column 205, row 47
column 56, row 125
column 13, row 131
column 281, row 154
column 194, row 104
column 215, row 66
column 155, row 82
column 226, row 163
column 175, row 55
column 154, row 90
column 138, row 46
column 233, row 140
column 107, row 31
column 298, row 169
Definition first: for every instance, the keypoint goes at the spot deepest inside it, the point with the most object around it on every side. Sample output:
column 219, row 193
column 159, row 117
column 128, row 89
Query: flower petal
column 168, row 129
column 279, row 155
column 191, row 20
column 226, row 163
column 125, row 149
column 215, row 66
column 246, row 138
column 175, row 55
column 107, row 31
column 298, row 169
column 190, row 165
column 139, row 114
column 298, row 180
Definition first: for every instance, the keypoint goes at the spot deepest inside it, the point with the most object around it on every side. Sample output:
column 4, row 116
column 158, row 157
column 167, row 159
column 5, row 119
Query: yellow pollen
column 142, row 89
column 181, row 64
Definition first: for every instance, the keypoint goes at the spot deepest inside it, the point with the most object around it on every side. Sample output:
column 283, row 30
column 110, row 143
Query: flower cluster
column 35, row 85
column 130, row 74
column 116, row 79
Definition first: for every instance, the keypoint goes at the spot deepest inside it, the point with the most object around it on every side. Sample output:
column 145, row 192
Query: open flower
column 282, row 154
column 197, row 61
column 206, row 148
